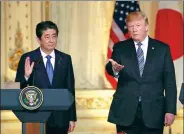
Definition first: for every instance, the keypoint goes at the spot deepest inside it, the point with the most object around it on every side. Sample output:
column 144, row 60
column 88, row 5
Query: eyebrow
column 50, row 34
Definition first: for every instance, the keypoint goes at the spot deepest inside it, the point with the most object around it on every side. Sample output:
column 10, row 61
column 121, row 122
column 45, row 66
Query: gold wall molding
column 93, row 102
column 47, row 10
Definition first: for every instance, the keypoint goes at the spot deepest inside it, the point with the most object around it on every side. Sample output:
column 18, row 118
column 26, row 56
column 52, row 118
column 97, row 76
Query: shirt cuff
column 116, row 74
column 26, row 78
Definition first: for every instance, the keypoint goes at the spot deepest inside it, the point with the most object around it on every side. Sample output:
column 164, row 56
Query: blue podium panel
column 53, row 99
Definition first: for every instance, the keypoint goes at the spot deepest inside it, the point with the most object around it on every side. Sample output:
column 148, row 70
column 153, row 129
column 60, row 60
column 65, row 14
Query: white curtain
column 84, row 32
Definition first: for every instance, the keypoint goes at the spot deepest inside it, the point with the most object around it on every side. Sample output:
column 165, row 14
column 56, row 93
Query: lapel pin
column 153, row 48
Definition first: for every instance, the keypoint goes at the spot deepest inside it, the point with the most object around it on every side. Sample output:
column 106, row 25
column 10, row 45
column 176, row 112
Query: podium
column 53, row 100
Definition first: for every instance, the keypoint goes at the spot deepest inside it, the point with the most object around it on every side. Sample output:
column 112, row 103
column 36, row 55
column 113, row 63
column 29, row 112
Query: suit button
column 139, row 98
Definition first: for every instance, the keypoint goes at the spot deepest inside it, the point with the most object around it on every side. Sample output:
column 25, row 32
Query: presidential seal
column 31, row 98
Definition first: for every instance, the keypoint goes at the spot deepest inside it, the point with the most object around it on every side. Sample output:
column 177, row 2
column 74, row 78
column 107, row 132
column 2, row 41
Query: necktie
column 140, row 58
column 49, row 68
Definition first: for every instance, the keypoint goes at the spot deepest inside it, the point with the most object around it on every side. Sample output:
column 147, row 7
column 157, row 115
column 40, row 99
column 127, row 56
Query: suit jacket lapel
column 149, row 57
column 57, row 66
column 131, row 62
column 135, row 66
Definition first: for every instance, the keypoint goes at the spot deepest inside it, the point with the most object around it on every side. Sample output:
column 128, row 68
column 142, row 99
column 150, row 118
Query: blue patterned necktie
column 49, row 68
column 140, row 58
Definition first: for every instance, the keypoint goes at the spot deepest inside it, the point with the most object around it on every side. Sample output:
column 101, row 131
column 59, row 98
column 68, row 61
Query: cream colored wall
column 150, row 8
column 84, row 34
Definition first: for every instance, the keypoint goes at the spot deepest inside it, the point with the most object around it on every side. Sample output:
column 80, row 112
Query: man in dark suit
column 47, row 68
column 145, row 70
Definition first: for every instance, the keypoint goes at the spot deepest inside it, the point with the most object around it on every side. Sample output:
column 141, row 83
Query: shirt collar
column 144, row 42
column 52, row 54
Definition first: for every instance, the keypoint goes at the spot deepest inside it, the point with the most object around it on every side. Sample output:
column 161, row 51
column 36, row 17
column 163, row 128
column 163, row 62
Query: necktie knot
column 139, row 44
column 48, row 57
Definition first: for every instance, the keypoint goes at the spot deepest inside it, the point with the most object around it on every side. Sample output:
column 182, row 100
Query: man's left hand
column 71, row 126
column 169, row 119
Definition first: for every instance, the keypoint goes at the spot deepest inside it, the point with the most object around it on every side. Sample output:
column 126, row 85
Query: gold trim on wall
column 47, row 9
column 42, row 11
column 96, row 102
column 31, row 8
column 5, row 38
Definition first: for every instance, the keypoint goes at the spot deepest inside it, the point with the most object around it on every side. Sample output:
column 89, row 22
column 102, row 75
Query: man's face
column 48, row 40
column 138, row 29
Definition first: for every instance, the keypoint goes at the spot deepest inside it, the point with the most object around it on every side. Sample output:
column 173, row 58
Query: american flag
column 118, row 31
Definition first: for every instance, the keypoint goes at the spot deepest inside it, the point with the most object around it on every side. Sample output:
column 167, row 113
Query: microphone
column 35, row 68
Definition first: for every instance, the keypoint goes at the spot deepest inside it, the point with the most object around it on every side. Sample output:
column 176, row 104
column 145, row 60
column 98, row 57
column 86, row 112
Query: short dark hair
column 44, row 25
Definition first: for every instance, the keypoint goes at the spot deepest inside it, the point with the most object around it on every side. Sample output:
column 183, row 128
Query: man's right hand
column 117, row 67
column 28, row 68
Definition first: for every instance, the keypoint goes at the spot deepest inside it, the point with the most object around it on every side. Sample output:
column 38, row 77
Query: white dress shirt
column 52, row 54
column 144, row 47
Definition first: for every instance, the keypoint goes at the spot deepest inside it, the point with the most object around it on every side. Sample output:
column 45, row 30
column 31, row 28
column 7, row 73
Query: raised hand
column 117, row 67
column 28, row 68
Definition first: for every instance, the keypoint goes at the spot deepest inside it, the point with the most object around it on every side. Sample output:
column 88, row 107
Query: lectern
column 53, row 100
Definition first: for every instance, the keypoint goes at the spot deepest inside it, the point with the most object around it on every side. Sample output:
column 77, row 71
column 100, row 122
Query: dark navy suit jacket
column 158, row 77
column 63, row 79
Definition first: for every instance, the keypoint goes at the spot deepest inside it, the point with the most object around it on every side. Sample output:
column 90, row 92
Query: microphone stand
column 35, row 69
column 33, row 83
